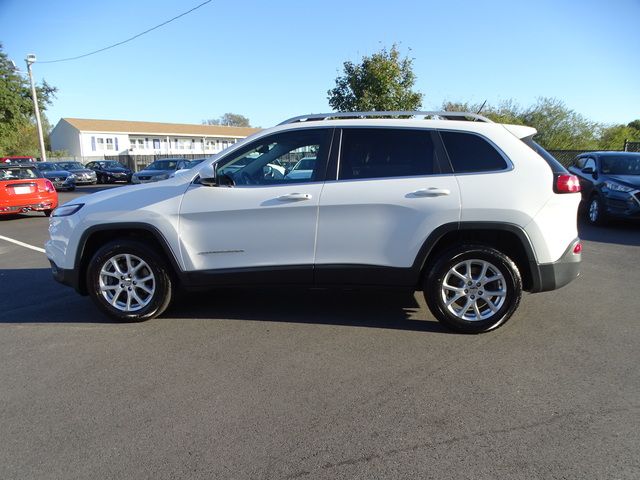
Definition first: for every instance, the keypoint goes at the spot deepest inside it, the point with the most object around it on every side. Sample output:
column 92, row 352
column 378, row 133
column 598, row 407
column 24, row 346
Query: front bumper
column 622, row 204
column 66, row 277
column 551, row 276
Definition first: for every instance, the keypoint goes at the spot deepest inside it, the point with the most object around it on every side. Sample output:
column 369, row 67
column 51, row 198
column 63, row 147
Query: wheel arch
column 98, row 235
column 508, row 238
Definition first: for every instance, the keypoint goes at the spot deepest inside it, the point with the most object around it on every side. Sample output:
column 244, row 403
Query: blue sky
column 270, row 60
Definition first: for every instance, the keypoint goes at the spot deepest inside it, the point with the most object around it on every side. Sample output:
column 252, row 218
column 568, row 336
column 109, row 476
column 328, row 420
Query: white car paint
column 377, row 222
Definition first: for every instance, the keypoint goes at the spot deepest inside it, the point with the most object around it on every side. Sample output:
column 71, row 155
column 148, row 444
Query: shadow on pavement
column 358, row 308
column 616, row 231
column 30, row 295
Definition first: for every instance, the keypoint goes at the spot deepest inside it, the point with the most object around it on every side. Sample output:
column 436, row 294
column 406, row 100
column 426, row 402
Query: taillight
column 565, row 183
column 577, row 249
column 48, row 186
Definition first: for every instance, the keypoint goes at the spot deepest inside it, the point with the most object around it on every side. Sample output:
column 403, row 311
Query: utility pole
column 31, row 58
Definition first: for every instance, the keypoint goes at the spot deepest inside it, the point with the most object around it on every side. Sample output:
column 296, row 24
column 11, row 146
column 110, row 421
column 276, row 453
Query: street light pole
column 31, row 58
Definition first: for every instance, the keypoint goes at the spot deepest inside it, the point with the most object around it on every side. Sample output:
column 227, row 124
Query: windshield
column 71, row 165
column 163, row 165
column 18, row 173
column 111, row 164
column 305, row 164
column 621, row 165
column 193, row 163
column 48, row 167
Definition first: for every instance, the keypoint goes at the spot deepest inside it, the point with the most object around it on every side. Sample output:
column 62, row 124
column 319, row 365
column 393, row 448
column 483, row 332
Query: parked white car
column 470, row 212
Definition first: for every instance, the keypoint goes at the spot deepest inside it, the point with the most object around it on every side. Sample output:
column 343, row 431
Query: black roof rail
column 436, row 115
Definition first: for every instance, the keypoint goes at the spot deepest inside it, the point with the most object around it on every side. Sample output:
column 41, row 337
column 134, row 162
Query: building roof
column 156, row 128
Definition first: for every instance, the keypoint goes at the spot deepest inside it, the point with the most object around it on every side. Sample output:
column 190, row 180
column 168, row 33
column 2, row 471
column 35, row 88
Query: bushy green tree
column 559, row 127
column 382, row 81
column 614, row 136
column 18, row 134
column 229, row 120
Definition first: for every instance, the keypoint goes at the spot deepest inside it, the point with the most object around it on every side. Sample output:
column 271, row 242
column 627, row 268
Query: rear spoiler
column 521, row 131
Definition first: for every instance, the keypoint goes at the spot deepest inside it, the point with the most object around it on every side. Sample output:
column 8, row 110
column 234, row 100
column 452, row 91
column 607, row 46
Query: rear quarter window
column 471, row 153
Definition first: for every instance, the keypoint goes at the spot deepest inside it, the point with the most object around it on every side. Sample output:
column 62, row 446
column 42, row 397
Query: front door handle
column 430, row 192
column 294, row 197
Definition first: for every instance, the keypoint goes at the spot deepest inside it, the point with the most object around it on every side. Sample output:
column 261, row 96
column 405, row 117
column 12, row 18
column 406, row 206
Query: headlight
column 72, row 176
column 66, row 210
column 616, row 187
column 164, row 176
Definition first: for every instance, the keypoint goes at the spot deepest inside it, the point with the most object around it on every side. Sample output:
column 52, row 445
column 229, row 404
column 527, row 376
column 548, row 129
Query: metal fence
column 631, row 146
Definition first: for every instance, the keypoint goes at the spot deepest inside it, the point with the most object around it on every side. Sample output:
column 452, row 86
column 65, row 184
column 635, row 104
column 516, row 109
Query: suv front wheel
column 129, row 281
column 473, row 288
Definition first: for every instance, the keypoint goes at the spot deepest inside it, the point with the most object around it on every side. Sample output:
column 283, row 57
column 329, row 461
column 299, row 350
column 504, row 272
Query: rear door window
column 384, row 153
column 471, row 153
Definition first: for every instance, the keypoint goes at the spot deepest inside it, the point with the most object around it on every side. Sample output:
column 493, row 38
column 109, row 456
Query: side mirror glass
column 588, row 170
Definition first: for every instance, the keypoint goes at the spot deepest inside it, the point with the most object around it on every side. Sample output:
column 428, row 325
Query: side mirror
column 588, row 170
column 208, row 175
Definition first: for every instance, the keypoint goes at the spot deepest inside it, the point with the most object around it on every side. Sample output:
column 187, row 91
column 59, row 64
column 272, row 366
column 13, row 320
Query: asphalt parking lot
column 305, row 385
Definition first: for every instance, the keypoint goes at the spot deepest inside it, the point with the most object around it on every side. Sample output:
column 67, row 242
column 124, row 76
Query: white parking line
column 22, row 244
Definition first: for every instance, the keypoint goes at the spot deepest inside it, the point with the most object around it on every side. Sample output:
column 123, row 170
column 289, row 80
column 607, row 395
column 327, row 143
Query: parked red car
column 24, row 189
column 16, row 159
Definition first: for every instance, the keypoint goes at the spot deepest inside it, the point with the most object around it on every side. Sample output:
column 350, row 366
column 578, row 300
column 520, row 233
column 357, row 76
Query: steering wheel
column 245, row 178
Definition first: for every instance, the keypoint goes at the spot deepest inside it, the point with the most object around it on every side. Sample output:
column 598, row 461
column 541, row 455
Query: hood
column 116, row 169
column 632, row 181
column 56, row 173
column 81, row 170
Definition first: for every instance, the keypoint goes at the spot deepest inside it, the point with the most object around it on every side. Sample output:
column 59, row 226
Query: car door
column 262, row 228
column 587, row 175
column 393, row 188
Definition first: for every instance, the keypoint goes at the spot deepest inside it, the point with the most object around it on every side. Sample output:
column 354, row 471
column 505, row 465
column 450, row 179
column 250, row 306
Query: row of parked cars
column 27, row 185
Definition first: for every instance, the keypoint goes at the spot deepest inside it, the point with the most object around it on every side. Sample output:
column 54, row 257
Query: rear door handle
column 294, row 197
column 430, row 192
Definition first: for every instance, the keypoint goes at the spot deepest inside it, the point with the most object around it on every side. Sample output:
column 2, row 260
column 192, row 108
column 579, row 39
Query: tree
column 559, row 127
column 229, row 120
column 383, row 81
column 614, row 136
column 18, row 135
column 635, row 124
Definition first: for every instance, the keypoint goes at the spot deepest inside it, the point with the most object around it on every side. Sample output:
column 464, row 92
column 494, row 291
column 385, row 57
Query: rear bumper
column 28, row 207
column 551, row 276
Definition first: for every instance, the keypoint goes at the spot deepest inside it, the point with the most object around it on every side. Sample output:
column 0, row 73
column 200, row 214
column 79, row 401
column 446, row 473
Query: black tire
column 47, row 213
column 71, row 189
column 508, row 288
column 163, row 285
column 595, row 212
column 99, row 179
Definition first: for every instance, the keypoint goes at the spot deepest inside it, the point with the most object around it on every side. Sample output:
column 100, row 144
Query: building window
column 116, row 140
column 109, row 144
column 156, row 143
column 93, row 144
column 100, row 143
column 141, row 144
column 146, row 143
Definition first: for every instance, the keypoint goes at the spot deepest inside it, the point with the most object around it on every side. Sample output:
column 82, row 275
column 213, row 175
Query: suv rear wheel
column 129, row 281
column 473, row 288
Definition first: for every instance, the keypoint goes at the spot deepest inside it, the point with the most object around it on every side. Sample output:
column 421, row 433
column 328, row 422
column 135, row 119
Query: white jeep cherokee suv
column 469, row 211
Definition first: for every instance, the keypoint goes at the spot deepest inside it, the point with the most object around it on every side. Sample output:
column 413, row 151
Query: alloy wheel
column 127, row 282
column 473, row 290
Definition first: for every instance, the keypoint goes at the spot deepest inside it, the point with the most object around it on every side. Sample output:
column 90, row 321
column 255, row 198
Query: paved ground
column 267, row 385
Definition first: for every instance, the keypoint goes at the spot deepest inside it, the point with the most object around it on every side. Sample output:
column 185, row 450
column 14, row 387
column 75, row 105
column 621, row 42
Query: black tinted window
column 376, row 153
column 471, row 153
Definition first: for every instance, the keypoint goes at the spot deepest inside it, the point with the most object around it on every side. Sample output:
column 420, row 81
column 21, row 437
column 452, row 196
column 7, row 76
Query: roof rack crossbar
column 439, row 115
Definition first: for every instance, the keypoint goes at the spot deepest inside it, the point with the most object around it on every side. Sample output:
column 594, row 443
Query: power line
column 128, row 39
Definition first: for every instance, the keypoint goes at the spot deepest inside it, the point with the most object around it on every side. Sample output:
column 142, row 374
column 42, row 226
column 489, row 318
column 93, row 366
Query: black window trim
column 333, row 170
column 504, row 156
